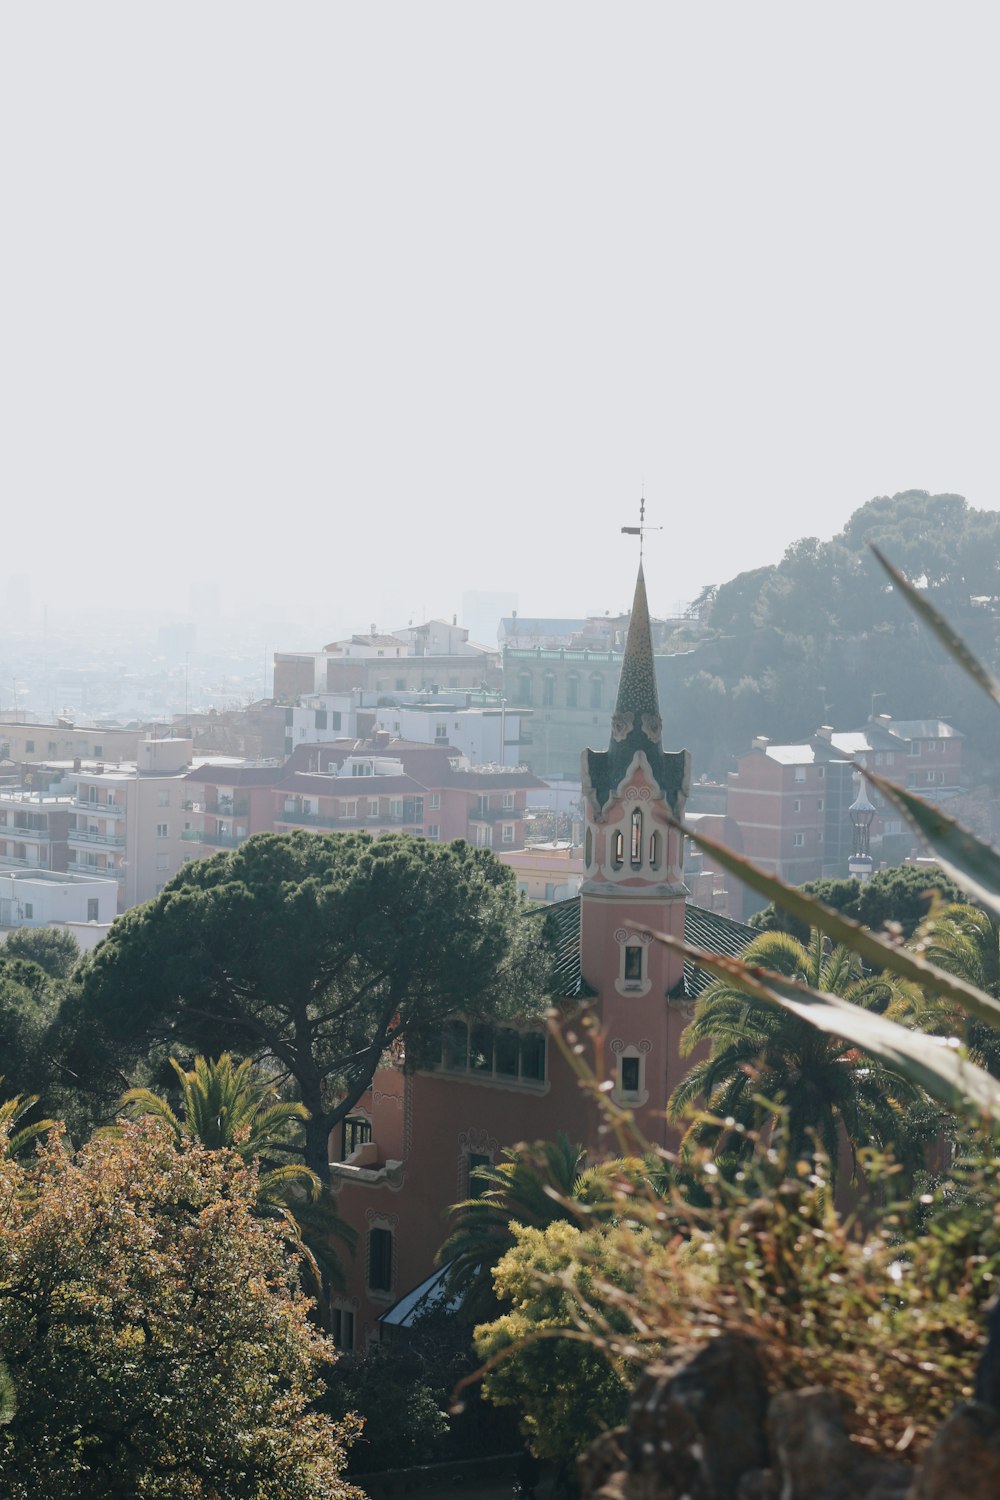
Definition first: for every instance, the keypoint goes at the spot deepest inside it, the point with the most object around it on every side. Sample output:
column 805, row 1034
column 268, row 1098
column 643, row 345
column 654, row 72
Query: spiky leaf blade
column 972, row 864
column 875, row 950
column 949, row 638
column 935, row 1064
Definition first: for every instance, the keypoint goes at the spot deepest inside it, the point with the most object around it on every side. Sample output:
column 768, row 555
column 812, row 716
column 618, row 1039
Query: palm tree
column 965, row 941
column 229, row 1106
column 14, row 1140
column 766, row 1064
column 534, row 1185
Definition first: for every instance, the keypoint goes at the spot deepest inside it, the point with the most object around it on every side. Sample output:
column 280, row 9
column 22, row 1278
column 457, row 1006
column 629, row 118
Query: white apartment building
column 485, row 736
column 33, row 828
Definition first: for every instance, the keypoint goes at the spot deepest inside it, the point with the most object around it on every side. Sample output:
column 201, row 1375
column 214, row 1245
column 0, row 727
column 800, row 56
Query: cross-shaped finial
column 642, row 528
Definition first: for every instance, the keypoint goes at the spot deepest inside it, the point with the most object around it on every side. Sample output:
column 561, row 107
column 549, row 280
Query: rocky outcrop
column 964, row 1458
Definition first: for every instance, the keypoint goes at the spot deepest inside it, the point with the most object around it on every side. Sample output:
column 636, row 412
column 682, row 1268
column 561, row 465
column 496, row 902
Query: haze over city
column 345, row 311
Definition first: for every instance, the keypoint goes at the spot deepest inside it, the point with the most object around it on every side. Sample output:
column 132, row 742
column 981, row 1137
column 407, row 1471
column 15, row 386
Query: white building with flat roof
column 52, row 898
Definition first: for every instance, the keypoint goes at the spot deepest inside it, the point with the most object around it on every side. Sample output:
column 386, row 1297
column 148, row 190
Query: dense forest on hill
column 817, row 637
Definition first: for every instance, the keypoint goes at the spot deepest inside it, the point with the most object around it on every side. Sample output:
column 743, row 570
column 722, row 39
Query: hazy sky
column 351, row 308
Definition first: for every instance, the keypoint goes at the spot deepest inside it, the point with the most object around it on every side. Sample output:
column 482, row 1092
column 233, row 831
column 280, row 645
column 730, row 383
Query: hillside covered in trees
column 814, row 638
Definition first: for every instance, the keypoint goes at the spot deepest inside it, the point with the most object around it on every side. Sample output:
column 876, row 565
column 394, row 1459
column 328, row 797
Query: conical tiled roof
column 635, row 723
column 637, row 684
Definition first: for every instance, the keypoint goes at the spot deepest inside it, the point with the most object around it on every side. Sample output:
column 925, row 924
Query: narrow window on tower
column 637, row 837
column 589, row 846
column 619, row 851
column 630, row 1075
column 633, row 964
column 654, row 851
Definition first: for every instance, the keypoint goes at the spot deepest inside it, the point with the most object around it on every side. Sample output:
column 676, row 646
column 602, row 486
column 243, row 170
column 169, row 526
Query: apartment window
column 163, row 799
column 163, row 830
column 508, row 799
column 29, row 745
column 434, row 831
column 796, row 805
column 342, row 1327
column 633, row 963
column 913, row 747
column 484, row 837
column 508, row 833
column 373, row 807
column 931, row 775
column 163, row 861
column 380, row 1260
column 798, row 840
column 630, row 1075
column 821, row 772
column 931, row 746
column 819, row 804
column 29, row 910
column 435, row 802
column 395, row 807
column 53, row 747
column 800, row 773
column 440, row 731
column 890, row 757
column 548, row 690
column 362, row 768
column 92, row 909
column 350, row 809
column 320, row 714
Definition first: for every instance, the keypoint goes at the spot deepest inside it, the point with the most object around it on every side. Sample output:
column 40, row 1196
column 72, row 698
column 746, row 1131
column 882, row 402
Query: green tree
column 229, row 1106
column 568, row 1389
column 534, row 1185
column 900, row 896
column 762, row 1056
column 965, row 941
column 317, row 952
column 29, row 1002
column 53, row 949
column 154, row 1330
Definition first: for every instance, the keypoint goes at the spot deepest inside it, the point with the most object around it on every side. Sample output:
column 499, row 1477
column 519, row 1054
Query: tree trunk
column 317, row 1152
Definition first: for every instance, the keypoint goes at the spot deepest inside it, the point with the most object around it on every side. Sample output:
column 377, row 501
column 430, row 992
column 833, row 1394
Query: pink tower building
column 406, row 1153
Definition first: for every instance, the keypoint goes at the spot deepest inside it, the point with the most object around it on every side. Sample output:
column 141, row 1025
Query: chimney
column 759, row 742
column 374, row 631
column 884, row 719
column 824, row 732
column 454, row 619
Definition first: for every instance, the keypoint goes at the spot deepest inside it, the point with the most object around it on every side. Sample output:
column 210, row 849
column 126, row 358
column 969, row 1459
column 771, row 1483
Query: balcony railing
column 374, row 820
column 495, row 814
column 94, row 836
column 217, row 840
column 98, row 809
column 228, row 809
column 80, row 867
column 19, row 831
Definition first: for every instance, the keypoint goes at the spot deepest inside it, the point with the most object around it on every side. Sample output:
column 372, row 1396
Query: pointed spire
column 637, row 697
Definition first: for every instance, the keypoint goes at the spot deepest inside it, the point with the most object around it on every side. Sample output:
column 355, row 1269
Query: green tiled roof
column 702, row 929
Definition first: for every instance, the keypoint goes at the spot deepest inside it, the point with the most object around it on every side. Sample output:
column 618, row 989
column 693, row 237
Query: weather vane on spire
column 642, row 528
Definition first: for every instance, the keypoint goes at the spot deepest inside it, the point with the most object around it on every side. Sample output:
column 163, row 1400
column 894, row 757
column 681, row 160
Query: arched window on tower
column 619, row 850
column 572, row 691
column 596, row 691
column 524, row 688
column 548, row 690
column 636, row 850
column 654, row 851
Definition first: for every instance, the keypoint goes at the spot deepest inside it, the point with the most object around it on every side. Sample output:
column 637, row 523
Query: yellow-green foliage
column 563, row 1355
